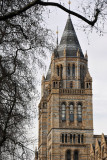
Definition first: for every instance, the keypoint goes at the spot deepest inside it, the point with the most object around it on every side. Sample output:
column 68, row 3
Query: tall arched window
column 82, row 138
column 73, row 70
column 78, row 138
column 70, row 138
column 82, row 73
column 79, row 112
column 68, row 155
column 62, row 138
column 75, row 155
column 58, row 70
column 61, row 70
column 65, row 138
column 71, row 114
column 63, row 107
column 68, row 70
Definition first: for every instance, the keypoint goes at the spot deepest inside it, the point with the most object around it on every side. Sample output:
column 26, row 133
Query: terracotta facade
column 65, row 109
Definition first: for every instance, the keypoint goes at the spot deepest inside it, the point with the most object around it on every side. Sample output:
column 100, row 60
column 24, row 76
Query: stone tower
column 65, row 109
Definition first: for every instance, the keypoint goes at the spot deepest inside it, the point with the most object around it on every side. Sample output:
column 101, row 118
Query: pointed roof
column 69, row 41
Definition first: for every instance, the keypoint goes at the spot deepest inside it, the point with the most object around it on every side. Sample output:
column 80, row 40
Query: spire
column 69, row 41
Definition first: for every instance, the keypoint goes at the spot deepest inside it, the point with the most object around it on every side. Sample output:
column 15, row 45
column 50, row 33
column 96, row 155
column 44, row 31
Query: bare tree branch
column 39, row 2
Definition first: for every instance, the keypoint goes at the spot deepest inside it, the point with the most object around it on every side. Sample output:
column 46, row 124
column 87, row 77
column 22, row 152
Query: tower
column 65, row 109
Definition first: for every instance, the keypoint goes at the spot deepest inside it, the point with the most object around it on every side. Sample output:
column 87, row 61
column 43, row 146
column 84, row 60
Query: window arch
column 68, row 155
column 79, row 112
column 63, row 108
column 71, row 85
column 58, row 70
column 62, row 138
column 82, row 138
column 78, row 138
column 65, row 138
column 70, row 138
column 68, row 70
column 73, row 70
column 61, row 70
column 76, row 155
column 71, row 114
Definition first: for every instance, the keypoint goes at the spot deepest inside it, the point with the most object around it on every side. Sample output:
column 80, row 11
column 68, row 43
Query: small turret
column 88, row 81
column 86, row 56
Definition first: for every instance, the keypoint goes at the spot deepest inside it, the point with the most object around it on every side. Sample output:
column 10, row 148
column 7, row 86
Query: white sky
column 96, row 47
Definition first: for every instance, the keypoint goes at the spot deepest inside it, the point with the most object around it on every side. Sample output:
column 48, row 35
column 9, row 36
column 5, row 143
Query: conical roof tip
column 69, row 41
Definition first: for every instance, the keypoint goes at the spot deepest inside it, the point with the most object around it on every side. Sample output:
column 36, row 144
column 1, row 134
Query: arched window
column 78, row 138
column 73, row 70
column 75, row 155
column 79, row 112
column 70, row 138
column 58, row 70
column 65, row 138
column 71, row 115
column 74, row 138
column 68, row 155
column 53, row 84
column 71, row 84
column 68, row 70
column 61, row 70
column 63, row 107
column 80, row 72
column 62, row 138
column 82, row 138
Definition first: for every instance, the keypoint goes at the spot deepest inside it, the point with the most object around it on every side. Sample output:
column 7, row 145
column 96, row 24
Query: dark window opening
column 62, row 138
column 73, row 70
column 65, row 138
column 75, row 155
column 79, row 138
column 68, row 155
column 58, row 70
column 71, row 115
column 70, row 138
column 61, row 68
column 82, row 138
column 87, row 85
column 71, row 85
column 53, row 84
column 68, row 70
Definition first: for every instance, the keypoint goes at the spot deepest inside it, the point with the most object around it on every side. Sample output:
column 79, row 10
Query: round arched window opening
column 68, row 155
column 75, row 155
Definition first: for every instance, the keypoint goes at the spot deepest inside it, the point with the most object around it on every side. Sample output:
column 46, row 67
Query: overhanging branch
column 39, row 2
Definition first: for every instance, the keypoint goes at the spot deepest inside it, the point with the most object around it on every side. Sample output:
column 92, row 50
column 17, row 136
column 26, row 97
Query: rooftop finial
column 69, row 2
column 57, row 36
